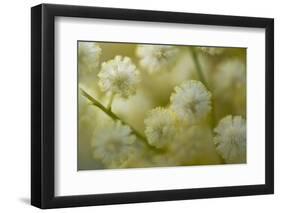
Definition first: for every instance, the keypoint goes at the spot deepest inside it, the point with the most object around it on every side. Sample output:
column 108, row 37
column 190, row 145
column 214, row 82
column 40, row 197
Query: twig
column 114, row 117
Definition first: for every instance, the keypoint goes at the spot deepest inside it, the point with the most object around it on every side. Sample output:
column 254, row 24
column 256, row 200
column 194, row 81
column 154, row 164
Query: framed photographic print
column 139, row 106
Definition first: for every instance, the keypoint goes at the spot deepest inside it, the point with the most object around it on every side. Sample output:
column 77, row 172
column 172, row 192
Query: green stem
column 198, row 67
column 114, row 117
column 202, row 79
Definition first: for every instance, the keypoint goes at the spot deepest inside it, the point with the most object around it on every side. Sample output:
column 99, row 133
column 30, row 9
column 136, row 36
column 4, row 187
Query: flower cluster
column 161, row 105
column 190, row 103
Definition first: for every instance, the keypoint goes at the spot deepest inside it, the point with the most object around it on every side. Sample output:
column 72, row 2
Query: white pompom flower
column 160, row 127
column 230, row 74
column 89, row 54
column 212, row 50
column 113, row 145
column 153, row 58
column 119, row 76
column 191, row 101
column 230, row 139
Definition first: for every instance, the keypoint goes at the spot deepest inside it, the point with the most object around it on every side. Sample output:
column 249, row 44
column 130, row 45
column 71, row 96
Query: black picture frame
column 43, row 102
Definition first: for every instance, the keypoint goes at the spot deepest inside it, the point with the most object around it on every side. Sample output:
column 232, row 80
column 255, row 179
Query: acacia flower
column 230, row 74
column 155, row 57
column 230, row 140
column 160, row 127
column 191, row 101
column 119, row 76
column 89, row 54
column 212, row 50
column 113, row 145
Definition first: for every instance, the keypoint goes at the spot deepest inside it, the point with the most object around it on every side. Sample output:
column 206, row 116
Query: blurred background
column 224, row 71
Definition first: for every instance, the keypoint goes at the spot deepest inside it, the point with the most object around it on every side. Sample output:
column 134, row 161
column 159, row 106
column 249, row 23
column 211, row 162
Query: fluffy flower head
column 119, row 76
column 153, row 58
column 230, row 73
column 191, row 101
column 230, row 140
column 160, row 127
column 89, row 54
column 113, row 145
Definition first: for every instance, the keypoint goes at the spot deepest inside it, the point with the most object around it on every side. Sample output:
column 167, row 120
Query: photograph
column 141, row 105
column 146, row 105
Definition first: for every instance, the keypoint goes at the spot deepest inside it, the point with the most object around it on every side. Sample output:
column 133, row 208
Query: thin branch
column 198, row 67
column 114, row 117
